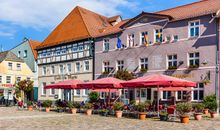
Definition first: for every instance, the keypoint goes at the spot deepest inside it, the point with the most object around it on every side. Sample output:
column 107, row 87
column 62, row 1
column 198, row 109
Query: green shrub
column 47, row 103
column 93, row 97
column 141, row 107
column 29, row 103
column 118, row 106
column 88, row 106
column 210, row 102
column 198, row 107
column 76, row 104
column 184, row 108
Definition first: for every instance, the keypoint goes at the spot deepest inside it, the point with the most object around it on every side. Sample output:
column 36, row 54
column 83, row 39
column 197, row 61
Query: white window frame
column 42, row 89
column 105, row 66
column 181, row 95
column 195, row 26
column 44, row 70
column 198, row 89
column 52, row 69
column 76, row 67
column 10, row 65
column 75, row 92
column 8, row 79
column 17, row 65
column 194, row 58
column 84, row 92
column 120, row 64
column 143, row 63
column 25, row 53
column 86, row 65
column 51, row 90
column 105, row 42
column 155, row 35
column 69, row 67
column 172, row 60
column 130, row 42
column 60, row 69
column 18, row 78
column 143, row 90
column 142, row 37
column 166, row 96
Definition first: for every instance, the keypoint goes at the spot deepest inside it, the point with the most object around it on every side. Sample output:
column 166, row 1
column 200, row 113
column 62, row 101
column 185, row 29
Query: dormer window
column 106, row 45
column 158, row 35
column 130, row 40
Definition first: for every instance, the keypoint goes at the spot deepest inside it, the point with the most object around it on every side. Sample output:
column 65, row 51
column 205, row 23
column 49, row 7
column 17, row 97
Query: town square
column 110, row 65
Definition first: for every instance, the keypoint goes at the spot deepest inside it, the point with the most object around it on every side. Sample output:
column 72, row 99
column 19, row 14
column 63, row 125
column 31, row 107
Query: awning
column 175, row 89
column 106, row 90
column 68, row 84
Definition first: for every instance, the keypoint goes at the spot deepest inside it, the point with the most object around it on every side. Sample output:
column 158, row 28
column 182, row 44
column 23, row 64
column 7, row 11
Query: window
column 61, row 70
column 172, row 61
column 194, row 59
column 44, row 70
column 194, row 29
column 28, row 78
column 63, row 51
column 158, row 35
column 77, row 67
column 175, row 38
column 80, row 47
column 181, row 95
column 86, row 91
column 25, row 53
column 78, row 92
column 0, row 79
column 137, row 92
column 166, row 95
column 52, row 91
column 43, row 88
column 149, row 94
column 144, row 37
column 130, row 42
column 106, row 66
column 19, row 54
column 198, row 92
column 8, row 79
column 18, row 66
column 143, row 93
column 69, row 68
column 75, row 48
column 18, row 79
column 143, row 63
column 58, row 52
column 10, row 66
column 52, row 70
column 106, row 45
column 120, row 65
column 86, row 65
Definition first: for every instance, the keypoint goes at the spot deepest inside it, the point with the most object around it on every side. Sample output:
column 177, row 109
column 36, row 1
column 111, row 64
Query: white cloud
column 46, row 14
column 6, row 31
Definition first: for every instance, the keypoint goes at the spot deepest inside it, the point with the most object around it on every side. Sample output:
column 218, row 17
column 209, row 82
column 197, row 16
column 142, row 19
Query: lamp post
column 217, row 65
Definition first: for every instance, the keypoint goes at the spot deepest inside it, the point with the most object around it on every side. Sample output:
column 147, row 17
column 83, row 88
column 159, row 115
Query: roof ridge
column 79, row 9
column 181, row 6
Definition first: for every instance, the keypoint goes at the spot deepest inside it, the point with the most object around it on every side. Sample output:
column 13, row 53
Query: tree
column 24, row 86
column 124, row 75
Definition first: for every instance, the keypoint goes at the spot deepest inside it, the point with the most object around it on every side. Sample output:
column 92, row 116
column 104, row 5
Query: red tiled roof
column 33, row 45
column 79, row 24
column 195, row 9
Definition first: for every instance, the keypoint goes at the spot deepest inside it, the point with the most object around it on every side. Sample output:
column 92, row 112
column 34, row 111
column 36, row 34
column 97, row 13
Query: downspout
column 217, row 64
column 93, row 58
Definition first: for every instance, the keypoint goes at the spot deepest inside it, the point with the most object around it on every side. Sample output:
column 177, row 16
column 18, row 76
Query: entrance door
column 67, row 94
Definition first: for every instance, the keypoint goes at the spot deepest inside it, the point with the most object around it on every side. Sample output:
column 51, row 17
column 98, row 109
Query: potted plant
column 163, row 116
column 30, row 105
column 193, row 66
column 172, row 67
column 71, row 107
column 88, row 107
column 143, row 70
column 47, row 104
column 141, row 108
column 183, row 109
column 211, row 103
column 59, row 105
column 198, row 107
column 118, row 107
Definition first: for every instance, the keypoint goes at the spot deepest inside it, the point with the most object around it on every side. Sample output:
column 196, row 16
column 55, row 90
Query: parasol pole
column 158, row 100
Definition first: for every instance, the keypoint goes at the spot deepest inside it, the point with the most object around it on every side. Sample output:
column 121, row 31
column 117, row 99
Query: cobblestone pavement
column 11, row 119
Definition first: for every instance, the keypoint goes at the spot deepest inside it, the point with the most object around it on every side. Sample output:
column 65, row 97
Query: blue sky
column 35, row 19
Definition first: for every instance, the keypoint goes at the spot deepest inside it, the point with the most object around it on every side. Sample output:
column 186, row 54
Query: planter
column 118, row 114
column 198, row 116
column 142, row 115
column 30, row 108
column 163, row 117
column 73, row 110
column 214, row 114
column 184, row 119
column 47, row 109
column 206, row 111
column 89, row 112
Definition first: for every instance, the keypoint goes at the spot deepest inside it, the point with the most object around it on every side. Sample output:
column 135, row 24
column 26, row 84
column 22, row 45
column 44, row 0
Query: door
column 67, row 94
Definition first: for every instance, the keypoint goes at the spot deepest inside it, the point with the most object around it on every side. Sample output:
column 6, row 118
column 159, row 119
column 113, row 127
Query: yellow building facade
column 12, row 70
